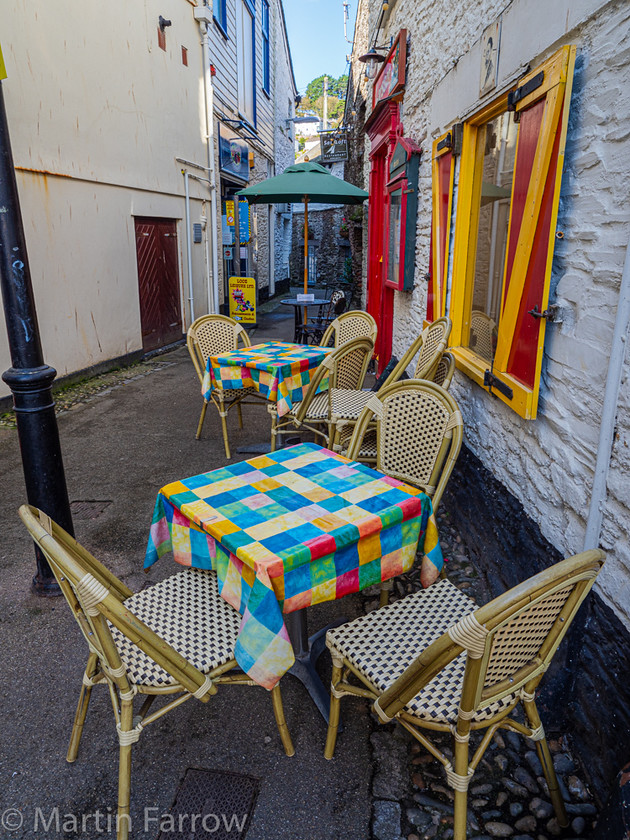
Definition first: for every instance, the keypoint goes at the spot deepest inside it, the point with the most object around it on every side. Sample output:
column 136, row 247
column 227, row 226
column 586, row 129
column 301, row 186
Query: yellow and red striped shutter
column 541, row 103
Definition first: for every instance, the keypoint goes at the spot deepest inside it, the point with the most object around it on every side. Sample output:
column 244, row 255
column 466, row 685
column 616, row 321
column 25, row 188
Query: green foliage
column 313, row 100
column 336, row 87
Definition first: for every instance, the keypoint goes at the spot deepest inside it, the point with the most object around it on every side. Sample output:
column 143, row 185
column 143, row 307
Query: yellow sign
column 242, row 299
column 3, row 69
column 229, row 213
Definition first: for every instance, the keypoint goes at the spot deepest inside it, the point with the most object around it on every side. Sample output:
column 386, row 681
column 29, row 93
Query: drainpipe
column 189, row 248
column 203, row 15
column 609, row 412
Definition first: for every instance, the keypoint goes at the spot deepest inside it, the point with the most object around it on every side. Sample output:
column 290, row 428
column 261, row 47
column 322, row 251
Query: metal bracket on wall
column 491, row 381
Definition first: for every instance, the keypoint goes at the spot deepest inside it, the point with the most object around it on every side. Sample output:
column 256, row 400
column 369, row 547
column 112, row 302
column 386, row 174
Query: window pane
column 244, row 26
column 393, row 247
column 496, row 143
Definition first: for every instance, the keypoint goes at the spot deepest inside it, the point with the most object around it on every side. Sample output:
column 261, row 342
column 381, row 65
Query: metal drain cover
column 88, row 509
column 211, row 803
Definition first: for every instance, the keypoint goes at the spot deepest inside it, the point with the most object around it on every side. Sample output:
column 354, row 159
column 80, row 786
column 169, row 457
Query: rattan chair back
column 444, row 371
column 212, row 335
column 482, row 334
column 353, row 324
column 419, row 432
column 345, row 364
column 430, row 344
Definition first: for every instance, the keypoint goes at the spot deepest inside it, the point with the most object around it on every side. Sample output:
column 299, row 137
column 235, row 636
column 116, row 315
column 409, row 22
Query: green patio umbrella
column 301, row 183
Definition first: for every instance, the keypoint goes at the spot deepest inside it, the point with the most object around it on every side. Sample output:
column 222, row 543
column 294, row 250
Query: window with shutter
column 502, row 199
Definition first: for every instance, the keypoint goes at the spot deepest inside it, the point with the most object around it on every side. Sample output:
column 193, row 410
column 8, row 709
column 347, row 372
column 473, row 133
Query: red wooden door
column 158, row 281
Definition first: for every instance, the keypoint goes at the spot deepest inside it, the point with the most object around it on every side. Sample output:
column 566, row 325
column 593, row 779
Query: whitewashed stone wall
column 547, row 463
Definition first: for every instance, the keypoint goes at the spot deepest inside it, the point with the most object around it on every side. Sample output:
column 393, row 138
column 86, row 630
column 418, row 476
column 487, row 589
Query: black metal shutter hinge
column 515, row 96
column 490, row 381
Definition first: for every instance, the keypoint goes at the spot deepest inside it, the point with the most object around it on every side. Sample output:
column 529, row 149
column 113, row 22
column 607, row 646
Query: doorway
column 158, row 282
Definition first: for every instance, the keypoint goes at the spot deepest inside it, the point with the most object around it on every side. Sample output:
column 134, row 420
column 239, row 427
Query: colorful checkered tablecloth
column 290, row 529
column 281, row 372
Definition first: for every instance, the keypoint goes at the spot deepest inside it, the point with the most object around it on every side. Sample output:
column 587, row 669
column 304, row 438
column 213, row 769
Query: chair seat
column 187, row 611
column 383, row 643
column 318, row 409
column 368, row 451
column 231, row 394
column 348, row 405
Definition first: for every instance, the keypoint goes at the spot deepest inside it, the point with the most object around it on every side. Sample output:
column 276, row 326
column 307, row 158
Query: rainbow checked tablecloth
column 281, row 372
column 290, row 529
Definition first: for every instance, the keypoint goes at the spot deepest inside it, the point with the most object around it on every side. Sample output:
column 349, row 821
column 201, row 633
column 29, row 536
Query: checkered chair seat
column 382, row 644
column 318, row 409
column 368, row 451
column 186, row 611
column 346, row 404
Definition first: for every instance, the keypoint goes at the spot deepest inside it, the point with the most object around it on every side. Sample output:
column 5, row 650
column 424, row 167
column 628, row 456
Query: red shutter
column 443, row 167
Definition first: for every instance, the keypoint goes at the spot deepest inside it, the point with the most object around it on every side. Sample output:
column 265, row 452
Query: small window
column 245, row 61
column 265, row 47
column 219, row 13
column 495, row 206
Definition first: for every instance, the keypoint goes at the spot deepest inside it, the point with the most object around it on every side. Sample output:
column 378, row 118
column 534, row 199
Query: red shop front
column 394, row 162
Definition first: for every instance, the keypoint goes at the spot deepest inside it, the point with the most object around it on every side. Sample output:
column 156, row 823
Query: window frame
column 250, row 8
column 220, row 19
column 266, row 53
column 455, row 229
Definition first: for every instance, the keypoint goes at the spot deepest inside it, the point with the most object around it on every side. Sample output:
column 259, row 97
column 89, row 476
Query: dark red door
column 158, row 280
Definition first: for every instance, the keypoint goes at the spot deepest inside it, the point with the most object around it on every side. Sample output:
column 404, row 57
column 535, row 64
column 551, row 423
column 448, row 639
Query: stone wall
column 331, row 249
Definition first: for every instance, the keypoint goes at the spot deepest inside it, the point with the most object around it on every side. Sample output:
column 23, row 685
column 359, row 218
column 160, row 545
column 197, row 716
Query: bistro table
column 298, row 309
column 279, row 371
column 287, row 530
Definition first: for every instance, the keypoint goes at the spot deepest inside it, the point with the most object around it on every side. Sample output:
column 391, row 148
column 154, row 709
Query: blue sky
column 316, row 37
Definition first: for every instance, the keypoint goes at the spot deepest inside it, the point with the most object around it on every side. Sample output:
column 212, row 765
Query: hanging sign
column 233, row 153
column 229, row 213
column 244, row 230
column 242, row 292
column 391, row 76
column 334, row 146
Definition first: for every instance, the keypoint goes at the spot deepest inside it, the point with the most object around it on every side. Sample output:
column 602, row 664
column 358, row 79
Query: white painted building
column 479, row 79
column 106, row 118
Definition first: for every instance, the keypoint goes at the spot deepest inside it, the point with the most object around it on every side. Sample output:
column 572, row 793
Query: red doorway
column 383, row 129
column 158, row 281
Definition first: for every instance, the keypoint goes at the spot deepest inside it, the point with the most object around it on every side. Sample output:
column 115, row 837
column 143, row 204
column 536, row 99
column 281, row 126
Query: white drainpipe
column 203, row 15
column 609, row 411
column 191, row 301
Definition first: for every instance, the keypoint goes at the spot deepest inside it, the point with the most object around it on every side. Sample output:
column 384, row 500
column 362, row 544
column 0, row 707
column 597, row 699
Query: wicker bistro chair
column 353, row 324
column 348, row 405
column 208, row 336
column 419, row 432
column 436, row 661
column 346, row 366
column 368, row 453
column 174, row 638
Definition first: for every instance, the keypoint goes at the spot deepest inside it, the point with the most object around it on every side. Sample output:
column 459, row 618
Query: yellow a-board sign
column 3, row 69
column 242, row 292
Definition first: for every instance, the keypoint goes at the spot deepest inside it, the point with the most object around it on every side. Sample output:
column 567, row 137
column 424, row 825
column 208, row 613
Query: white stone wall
column 547, row 463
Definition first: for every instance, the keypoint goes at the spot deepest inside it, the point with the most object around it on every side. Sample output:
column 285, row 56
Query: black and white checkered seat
column 318, row 409
column 186, row 611
column 382, row 644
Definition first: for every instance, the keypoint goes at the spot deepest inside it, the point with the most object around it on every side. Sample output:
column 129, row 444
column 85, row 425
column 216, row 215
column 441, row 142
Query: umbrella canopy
column 301, row 183
column 302, row 180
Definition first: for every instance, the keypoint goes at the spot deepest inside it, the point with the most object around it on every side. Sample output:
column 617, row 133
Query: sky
column 316, row 38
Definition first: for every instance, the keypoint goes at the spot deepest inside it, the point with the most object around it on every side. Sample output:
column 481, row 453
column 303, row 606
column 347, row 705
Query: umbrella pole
column 305, row 255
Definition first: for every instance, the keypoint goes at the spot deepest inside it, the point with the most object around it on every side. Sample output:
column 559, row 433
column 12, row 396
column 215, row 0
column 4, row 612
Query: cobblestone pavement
column 508, row 794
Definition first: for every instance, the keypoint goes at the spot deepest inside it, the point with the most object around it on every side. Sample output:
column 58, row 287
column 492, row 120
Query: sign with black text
column 334, row 146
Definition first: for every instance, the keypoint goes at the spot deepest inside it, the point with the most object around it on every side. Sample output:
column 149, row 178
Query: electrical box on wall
column 402, row 215
column 197, row 232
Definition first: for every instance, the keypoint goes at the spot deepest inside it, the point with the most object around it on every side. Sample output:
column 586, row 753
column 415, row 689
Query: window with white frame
column 245, row 60
column 266, row 71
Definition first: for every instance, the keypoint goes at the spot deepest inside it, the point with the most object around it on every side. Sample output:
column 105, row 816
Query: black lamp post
column 29, row 379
